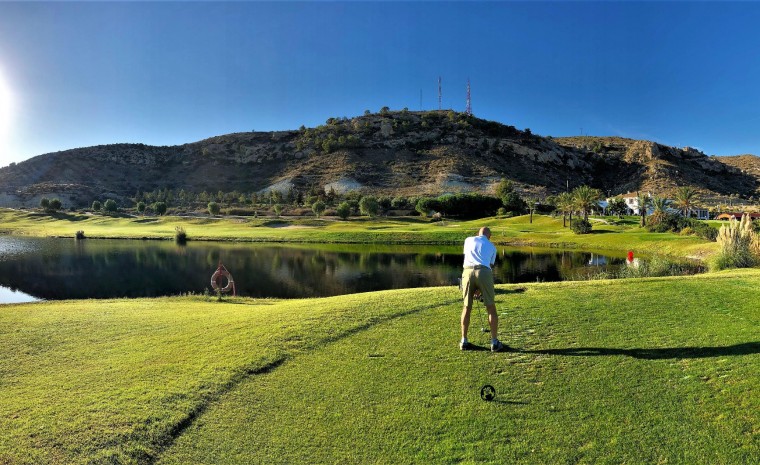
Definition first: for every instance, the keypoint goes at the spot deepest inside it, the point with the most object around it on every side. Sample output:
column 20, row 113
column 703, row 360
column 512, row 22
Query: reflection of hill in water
column 62, row 269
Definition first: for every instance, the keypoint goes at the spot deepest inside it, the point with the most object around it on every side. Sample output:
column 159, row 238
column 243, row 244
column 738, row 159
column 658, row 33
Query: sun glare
column 6, row 107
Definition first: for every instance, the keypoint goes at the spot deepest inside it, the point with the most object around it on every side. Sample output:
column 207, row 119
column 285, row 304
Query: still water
column 33, row 269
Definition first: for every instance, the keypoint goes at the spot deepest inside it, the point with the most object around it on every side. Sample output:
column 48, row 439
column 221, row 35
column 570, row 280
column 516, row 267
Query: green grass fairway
column 662, row 370
column 608, row 233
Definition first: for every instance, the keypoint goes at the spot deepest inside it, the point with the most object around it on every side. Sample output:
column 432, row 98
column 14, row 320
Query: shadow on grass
column 66, row 216
column 510, row 402
column 747, row 348
column 518, row 290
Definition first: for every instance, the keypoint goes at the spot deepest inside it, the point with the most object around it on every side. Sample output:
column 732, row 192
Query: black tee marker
column 487, row 392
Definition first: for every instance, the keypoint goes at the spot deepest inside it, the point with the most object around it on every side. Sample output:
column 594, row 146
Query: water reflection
column 68, row 269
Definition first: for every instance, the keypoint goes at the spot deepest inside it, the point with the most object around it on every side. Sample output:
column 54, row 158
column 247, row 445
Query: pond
column 50, row 269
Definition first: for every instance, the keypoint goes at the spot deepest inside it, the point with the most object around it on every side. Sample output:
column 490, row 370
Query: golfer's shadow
column 517, row 290
column 476, row 348
column 747, row 348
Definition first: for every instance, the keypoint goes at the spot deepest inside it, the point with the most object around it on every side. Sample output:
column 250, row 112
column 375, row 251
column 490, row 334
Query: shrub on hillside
column 160, row 208
column 344, row 210
column 213, row 208
column 110, row 206
column 369, row 206
column 318, row 208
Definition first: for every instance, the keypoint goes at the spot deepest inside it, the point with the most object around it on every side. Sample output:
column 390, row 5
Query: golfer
column 477, row 277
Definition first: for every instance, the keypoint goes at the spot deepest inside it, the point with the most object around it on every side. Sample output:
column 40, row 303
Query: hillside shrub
column 213, row 208
column 318, row 208
column 110, row 206
column 369, row 206
column 468, row 205
column 97, row 206
column 160, row 208
column 426, row 206
column 344, row 210
column 580, row 226
column 398, row 203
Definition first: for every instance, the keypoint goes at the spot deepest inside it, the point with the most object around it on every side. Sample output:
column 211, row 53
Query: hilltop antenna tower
column 468, row 108
column 439, row 93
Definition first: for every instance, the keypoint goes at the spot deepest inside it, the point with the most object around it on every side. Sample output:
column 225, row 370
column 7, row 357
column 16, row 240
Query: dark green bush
column 672, row 222
column 344, row 210
column 580, row 226
column 180, row 235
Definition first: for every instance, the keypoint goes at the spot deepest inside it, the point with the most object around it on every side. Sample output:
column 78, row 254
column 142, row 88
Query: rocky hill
column 395, row 153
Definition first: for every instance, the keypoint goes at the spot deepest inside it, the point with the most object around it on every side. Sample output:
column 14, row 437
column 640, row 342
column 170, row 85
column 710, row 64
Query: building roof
column 736, row 215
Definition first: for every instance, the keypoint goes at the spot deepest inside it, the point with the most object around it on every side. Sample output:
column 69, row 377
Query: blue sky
column 81, row 74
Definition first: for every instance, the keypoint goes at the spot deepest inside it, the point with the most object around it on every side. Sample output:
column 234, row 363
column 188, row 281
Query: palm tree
column 565, row 205
column 585, row 198
column 660, row 204
column 643, row 200
column 686, row 197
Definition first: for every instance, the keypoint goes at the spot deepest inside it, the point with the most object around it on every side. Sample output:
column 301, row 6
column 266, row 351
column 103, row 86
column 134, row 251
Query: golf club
column 479, row 297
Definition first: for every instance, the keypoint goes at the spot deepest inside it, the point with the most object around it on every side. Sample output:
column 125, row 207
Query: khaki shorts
column 474, row 279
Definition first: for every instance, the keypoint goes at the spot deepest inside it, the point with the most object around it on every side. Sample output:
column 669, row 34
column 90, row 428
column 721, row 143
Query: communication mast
column 468, row 108
column 439, row 93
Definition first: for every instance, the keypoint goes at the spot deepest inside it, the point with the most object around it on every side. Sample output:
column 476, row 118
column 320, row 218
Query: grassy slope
column 544, row 230
column 641, row 371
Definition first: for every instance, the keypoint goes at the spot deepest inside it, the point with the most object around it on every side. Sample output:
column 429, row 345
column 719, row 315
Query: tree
column 110, row 206
column 141, row 207
column 643, row 200
column 277, row 210
column 385, row 110
column 618, row 207
column 511, row 199
column 97, row 206
column 160, row 208
column 344, row 210
column 318, row 208
column 685, row 198
column 660, row 204
column 426, row 206
column 565, row 205
column 369, row 206
column 213, row 208
column 45, row 203
column 585, row 198
column 55, row 205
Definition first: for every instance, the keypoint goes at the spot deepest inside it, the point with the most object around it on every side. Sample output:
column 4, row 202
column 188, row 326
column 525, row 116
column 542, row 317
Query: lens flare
column 6, row 108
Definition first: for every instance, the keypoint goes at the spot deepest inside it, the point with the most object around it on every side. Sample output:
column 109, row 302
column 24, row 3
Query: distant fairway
column 659, row 370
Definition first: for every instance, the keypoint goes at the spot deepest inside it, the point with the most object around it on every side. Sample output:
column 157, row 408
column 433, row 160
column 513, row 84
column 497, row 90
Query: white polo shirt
column 478, row 250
